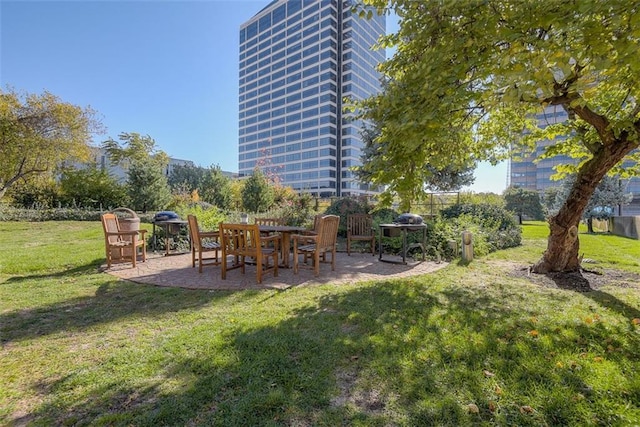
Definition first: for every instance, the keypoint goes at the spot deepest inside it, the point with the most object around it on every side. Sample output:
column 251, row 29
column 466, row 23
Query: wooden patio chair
column 122, row 244
column 201, row 243
column 244, row 243
column 317, row 246
column 360, row 228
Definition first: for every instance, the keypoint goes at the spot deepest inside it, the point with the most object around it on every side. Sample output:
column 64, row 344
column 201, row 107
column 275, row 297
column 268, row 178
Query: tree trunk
column 563, row 245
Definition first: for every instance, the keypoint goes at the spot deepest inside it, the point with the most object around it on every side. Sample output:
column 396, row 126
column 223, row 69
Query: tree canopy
column 40, row 132
column 407, row 176
column 468, row 78
column 134, row 147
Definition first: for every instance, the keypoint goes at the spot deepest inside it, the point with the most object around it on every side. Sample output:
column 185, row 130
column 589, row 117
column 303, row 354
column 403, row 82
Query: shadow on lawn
column 391, row 353
column 112, row 300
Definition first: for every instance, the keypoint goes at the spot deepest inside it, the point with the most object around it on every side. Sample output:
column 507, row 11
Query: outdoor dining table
column 286, row 231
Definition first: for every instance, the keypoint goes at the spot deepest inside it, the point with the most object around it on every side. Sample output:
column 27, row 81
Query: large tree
column 470, row 77
column 38, row 133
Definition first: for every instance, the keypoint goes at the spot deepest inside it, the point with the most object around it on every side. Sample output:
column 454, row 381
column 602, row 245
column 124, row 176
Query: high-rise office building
column 526, row 172
column 531, row 175
column 298, row 60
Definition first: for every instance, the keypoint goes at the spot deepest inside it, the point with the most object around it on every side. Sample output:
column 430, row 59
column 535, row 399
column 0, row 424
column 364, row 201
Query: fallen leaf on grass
column 533, row 333
column 526, row 409
column 488, row 373
column 635, row 321
column 473, row 408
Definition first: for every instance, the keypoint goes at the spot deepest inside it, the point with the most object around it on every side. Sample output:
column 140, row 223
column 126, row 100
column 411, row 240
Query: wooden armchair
column 244, row 241
column 360, row 228
column 202, row 242
column 318, row 245
column 268, row 221
column 122, row 244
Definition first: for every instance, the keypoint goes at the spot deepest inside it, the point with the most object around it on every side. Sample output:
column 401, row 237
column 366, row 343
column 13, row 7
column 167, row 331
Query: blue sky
column 168, row 69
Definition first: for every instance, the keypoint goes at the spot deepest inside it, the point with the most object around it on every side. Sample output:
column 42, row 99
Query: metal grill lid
column 408, row 218
column 165, row 216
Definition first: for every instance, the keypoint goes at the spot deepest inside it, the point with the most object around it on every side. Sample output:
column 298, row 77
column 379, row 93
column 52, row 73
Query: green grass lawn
column 467, row 345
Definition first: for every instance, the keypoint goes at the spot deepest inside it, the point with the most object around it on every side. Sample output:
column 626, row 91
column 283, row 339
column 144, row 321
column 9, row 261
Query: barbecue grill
column 165, row 216
column 408, row 218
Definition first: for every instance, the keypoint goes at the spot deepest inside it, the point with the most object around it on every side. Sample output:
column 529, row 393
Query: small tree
column 147, row 186
column 91, row 187
column 186, row 178
column 257, row 194
column 39, row 191
column 523, row 202
column 216, row 188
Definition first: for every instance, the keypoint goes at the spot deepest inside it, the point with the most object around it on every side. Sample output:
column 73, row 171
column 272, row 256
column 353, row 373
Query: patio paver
column 176, row 271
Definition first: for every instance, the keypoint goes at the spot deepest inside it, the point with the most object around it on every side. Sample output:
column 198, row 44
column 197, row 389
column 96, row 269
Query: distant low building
column 101, row 159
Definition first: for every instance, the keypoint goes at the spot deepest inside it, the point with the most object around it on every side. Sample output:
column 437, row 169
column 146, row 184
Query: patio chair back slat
column 360, row 228
column 318, row 245
column 243, row 242
column 201, row 243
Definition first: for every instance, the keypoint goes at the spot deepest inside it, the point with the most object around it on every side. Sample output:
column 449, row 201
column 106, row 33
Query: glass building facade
column 527, row 173
column 298, row 60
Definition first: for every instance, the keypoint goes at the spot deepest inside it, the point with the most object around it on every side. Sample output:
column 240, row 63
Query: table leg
column 404, row 245
column 380, row 245
column 285, row 250
column 166, row 240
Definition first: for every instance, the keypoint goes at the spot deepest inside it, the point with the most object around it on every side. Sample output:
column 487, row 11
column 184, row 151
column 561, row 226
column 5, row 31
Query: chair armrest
column 270, row 238
column 275, row 238
column 305, row 237
column 123, row 233
column 209, row 234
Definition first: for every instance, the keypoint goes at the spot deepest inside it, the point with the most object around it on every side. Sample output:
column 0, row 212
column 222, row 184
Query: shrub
column 209, row 216
column 493, row 228
column 345, row 206
column 8, row 213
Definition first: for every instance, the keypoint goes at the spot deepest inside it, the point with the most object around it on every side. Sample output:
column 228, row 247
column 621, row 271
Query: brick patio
column 176, row 271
